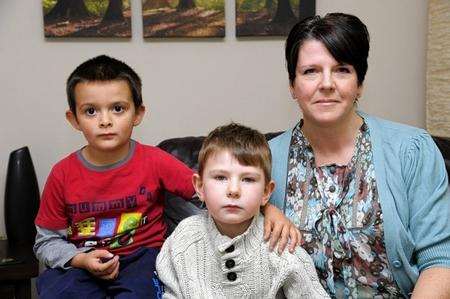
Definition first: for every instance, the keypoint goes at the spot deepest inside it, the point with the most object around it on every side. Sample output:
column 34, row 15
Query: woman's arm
column 433, row 283
column 429, row 205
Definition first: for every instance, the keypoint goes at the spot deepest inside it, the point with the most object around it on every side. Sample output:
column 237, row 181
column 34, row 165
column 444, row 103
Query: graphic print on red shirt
column 118, row 207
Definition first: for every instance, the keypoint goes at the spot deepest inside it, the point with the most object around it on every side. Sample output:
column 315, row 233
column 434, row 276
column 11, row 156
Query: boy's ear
column 198, row 186
column 267, row 192
column 72, row 119
column 139, row 115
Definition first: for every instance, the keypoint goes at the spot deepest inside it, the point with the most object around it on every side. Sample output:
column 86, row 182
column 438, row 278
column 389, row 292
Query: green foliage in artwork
column 257, row 5
column 98, row 7
column 48, row 5
column 95, row 7
column 210, row 4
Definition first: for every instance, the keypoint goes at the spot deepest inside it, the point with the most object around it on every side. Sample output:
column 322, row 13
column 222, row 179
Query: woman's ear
column 360, row 91
column 139, row 115
column 72, row 119
column 198, row 186
column 268, row 189
column 292, row 91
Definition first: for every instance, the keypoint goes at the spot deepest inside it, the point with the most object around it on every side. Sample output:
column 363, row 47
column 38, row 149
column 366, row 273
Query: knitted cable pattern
column 196, row 261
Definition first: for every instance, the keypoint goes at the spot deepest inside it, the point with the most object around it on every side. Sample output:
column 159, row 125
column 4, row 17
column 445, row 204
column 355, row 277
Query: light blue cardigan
column 414, row 196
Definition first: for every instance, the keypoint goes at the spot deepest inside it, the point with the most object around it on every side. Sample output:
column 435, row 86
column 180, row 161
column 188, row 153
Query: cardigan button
column 230, row 249
column 332, row 189
column 232, row 276
column 333, row 169
column 230, row 264
column 397, row 264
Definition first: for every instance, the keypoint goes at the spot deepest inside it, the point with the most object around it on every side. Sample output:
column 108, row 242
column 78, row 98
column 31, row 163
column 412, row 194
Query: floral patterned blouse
column 338, row 211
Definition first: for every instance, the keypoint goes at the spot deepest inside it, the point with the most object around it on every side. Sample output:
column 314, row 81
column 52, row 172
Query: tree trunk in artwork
column 269, row 4
column 284, row 12
column 114, row 12
column 68, row 10
column 306, row 8
column 185, row 4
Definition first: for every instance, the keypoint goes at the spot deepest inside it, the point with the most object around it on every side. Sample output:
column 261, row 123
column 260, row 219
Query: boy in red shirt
column 100, row 222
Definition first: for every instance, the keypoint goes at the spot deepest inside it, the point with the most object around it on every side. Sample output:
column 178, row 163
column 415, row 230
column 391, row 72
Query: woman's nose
column 327, row 81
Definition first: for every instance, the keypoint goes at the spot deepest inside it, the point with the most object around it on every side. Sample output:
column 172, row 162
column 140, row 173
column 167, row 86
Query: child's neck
column 233, row 230
column 104, row 158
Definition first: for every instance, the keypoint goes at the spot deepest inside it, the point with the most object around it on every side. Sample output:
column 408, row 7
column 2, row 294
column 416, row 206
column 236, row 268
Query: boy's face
column 233, row 193
column 105, row 113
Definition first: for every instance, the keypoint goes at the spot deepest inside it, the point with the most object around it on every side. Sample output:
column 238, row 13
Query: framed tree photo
column 183, row 18
column 270, row 17
column 87, row 18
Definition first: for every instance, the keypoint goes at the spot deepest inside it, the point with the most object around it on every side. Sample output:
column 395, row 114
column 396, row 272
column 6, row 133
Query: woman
column 370, row 196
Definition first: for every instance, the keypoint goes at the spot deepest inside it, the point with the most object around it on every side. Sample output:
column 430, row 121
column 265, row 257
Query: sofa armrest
column 443, row 144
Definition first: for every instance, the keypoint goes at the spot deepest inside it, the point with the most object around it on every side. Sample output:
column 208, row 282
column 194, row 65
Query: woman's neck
column 333, row 144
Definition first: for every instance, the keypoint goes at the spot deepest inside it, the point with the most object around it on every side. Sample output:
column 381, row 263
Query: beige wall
column 190, row 86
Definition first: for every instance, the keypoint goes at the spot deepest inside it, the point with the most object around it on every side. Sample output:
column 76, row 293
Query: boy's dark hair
column 247, row 145
column 344, row 36
column 104, row 68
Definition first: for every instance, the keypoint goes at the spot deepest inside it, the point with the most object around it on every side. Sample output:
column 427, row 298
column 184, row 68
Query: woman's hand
column 279, row 229
column 100, row 263
column 433, row 283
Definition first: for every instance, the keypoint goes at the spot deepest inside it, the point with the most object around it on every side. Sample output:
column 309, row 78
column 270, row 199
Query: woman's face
column 324, row 89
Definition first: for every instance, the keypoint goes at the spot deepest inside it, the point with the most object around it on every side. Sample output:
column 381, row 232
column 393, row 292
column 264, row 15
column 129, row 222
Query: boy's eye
column 249, row 180
column 220, row 178
column 118, row 108
column 90, row 111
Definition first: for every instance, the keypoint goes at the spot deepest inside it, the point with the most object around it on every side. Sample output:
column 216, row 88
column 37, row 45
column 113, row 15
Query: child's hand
column 279, row 229
column 100, row 263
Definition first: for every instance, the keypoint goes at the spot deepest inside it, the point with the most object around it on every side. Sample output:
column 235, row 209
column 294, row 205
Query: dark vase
column 21, row 198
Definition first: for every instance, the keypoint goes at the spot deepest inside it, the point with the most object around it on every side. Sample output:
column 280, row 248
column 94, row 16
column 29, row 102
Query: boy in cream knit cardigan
column 222, row 254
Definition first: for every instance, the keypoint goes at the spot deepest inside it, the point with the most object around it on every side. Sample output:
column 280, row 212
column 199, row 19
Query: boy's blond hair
column 247, row 145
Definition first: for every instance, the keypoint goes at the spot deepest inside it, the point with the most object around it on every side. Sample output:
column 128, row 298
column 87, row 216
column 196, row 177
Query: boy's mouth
column 107, row 135
column 232, row 207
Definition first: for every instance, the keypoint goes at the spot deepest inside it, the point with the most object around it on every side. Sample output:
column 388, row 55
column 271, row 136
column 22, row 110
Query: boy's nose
column 105, row 121
column 233, row 190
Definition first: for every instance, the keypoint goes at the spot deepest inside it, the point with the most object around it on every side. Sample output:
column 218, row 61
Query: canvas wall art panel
column 438, row 68
column 183, row 18
column 270, row 17
column 87, row 18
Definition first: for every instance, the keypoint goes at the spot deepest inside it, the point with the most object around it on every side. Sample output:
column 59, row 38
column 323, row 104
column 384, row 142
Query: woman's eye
column 343, row 70
column 90, row 111
column 118, row 108
column 309, row 71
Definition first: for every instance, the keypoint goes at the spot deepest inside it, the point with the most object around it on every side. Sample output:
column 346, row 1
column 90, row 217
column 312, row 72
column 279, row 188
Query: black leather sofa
column 186, row 149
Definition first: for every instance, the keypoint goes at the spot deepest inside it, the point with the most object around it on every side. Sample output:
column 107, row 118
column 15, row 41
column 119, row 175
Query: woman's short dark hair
column 344, row 36
column 102, row 69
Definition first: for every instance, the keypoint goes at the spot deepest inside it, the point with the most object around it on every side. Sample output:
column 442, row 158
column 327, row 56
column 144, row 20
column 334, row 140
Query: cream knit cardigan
column 194, row 262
